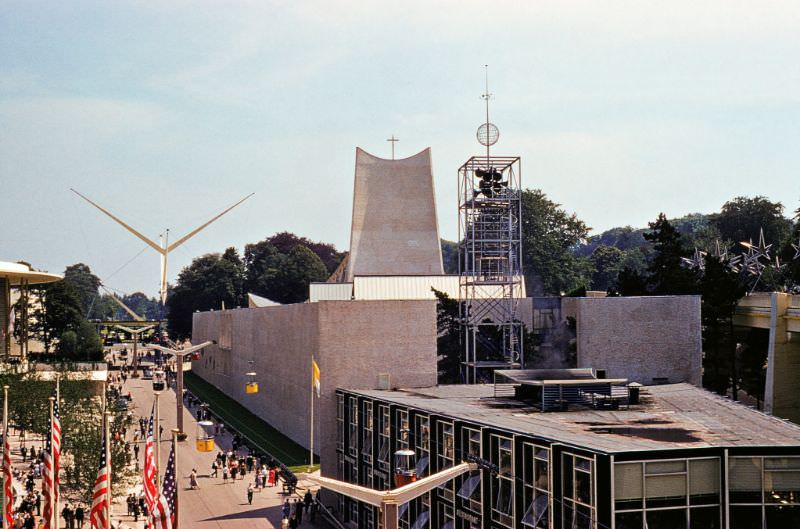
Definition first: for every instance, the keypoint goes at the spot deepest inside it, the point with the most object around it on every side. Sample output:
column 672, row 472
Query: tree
column 285, row 242
column 549, row 236
column 449, row 350
column 607, row 261
column 742, row 219
column 450, row 256
column 207, row 283
column 629, row 283
column 721, row 290
column 666, row 273
column 85, row 285
column 281, row 277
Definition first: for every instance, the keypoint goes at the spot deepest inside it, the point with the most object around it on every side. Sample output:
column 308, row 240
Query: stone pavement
column 214, row 504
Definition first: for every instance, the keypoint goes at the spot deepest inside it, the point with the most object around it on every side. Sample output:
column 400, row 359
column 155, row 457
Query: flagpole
column 157, row 437
column 106, row 433
column 56, row 468
column 311, row 443
column 6, row 444
column 175, row 433
column 53, row 503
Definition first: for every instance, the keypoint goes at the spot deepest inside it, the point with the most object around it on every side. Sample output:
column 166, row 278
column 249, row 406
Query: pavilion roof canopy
column 17, row 273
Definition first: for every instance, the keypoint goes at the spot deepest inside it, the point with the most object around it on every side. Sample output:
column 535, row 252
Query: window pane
column 744, row 479
column 583, row 487
column 746, row 517
column 781, row 487
column 704, row 518
column 567, row 477
column 783, row 516
column 781, row 463
column 536, row 515
column 629, row 520
column 669, row 519
column 664, row 491
column 469, row 486
column 704, row 476
column 541, row 475
column 583, row 517
column 422, row 521
column 627, row 481
column 665, row 467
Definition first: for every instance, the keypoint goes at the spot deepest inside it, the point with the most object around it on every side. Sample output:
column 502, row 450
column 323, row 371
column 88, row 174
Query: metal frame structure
column 490, row 262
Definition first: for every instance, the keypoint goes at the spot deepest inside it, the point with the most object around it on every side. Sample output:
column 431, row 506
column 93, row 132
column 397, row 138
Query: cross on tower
column 393, row 140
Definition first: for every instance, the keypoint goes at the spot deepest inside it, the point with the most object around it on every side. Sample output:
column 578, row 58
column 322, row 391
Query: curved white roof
column 16, row 273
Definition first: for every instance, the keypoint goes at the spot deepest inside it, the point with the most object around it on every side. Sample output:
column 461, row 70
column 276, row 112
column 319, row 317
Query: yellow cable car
column 252, row 385
column 205, row 440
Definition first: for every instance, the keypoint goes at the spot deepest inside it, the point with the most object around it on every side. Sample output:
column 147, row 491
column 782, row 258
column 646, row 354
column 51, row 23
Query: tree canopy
column 549, row 236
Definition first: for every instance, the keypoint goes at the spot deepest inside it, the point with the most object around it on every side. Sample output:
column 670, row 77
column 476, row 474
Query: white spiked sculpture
column 164, row 248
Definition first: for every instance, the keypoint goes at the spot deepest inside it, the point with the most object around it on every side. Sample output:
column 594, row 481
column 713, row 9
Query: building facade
column 683, row 458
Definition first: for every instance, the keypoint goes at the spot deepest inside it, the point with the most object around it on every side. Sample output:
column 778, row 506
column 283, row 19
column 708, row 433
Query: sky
column 168, row 112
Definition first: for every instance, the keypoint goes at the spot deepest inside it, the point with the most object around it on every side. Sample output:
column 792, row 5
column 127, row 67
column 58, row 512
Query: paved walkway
column 215, row 504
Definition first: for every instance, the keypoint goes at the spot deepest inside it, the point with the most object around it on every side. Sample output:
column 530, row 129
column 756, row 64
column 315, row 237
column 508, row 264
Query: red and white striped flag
column 101, row 497
column 150, row 470
column 7, row 488
column 165, row 514
column 52, row 464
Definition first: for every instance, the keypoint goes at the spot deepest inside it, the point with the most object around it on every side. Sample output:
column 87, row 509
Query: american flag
column 165, row 515
column 150, row 470
column 7, row 489
column 101, row 495
column 52, row 459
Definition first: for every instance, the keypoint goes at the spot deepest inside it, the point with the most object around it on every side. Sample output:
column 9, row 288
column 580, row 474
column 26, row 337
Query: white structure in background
column 163, row 248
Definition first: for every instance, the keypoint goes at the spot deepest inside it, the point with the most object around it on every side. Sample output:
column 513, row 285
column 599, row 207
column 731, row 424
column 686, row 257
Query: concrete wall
column 353, row 343
column 640, row 338
column 394, row 229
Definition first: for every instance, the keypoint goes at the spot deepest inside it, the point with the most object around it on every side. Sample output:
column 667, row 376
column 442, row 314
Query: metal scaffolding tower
column 490, row 263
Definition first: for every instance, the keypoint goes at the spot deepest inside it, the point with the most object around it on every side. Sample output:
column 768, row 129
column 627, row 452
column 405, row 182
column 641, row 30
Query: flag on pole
column 52, row 462
column 315, row 375
column 7, row 482
column 101, row 494
column 165, row 513
column 150, row 469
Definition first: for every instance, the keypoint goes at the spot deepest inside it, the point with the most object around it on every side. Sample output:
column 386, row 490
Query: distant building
column 679, row 458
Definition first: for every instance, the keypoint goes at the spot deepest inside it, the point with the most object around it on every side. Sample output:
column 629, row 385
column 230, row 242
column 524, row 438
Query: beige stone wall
column 641, row 338
column 394, row 229
column 352, row 341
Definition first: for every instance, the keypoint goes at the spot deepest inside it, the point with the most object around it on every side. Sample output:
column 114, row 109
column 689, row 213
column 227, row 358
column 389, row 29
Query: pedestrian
column 225, row 474
column 129, row 501
column 287, row 509
column 38, row 503
column 293, row 522
column 272, row 477
column 214, row 468
column 250, row 494
column 79, row 516
column 307, row 500
column 193, row 480
column 233, row 472
column 135, row 512
column 298, row 511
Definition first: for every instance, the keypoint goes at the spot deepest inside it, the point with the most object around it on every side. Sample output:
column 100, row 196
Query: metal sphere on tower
column 488, row 134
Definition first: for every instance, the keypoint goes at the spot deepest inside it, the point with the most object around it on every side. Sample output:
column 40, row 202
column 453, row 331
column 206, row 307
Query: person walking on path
column 287, row 509
column 193, row 480
column 225, row 474
column 298, row 511
column 250, row 494
column 79, row 516
column 307, row 499
column 233, row 472
column 214, row 469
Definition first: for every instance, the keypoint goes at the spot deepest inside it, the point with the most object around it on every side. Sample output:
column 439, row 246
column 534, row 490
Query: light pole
column 135, row 333
column 179, row 354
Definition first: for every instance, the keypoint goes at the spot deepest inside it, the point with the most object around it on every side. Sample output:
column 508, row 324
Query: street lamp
column 135, row 333
column 179, row 354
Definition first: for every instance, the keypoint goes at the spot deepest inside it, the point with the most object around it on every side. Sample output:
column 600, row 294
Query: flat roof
column 670, row 416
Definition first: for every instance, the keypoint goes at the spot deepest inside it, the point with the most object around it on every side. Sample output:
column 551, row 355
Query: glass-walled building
column 680, row 458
